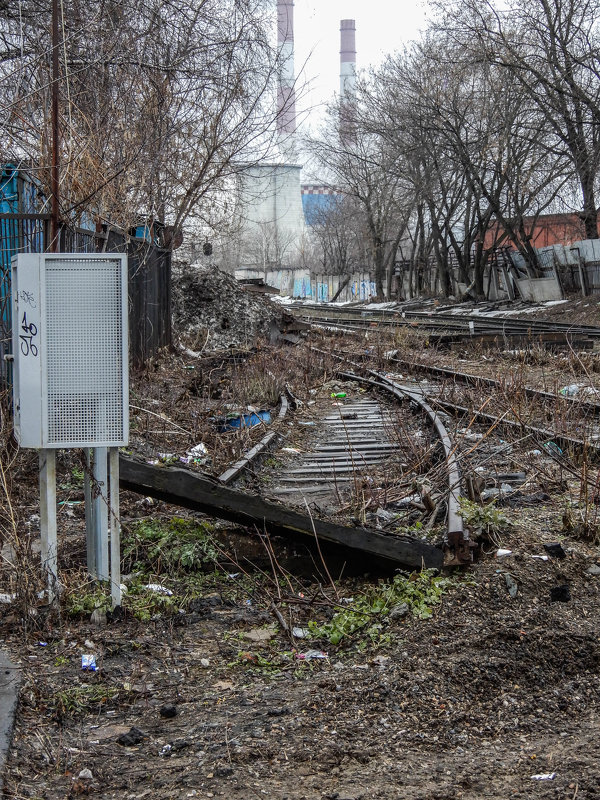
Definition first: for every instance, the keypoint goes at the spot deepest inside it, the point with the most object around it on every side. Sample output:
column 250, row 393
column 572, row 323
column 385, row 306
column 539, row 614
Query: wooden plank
column 202, row 493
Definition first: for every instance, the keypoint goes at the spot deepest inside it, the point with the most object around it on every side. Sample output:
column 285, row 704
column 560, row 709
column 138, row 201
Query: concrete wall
column 540, row 290
column 301, row 283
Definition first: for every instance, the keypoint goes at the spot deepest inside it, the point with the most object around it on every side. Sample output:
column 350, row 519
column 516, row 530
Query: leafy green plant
column 488, row 519
column 420, row 591
column 85, row 602
column 145, row 603
column 173, row 545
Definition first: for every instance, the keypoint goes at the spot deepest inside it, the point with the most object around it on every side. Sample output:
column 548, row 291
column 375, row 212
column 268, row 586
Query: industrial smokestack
column 286, row 100
column 347, row 80
column 347, row 60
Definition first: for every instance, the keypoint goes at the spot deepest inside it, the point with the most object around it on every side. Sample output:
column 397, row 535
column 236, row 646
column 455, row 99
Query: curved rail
column 458, row 541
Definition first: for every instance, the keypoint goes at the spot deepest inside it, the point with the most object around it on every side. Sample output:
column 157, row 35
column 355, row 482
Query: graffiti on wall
column 302, row 287
column 362, row 290
column 322, row 292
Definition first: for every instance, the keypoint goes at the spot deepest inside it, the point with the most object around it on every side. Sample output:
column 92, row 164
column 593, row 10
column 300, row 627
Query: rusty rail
column 459, row 544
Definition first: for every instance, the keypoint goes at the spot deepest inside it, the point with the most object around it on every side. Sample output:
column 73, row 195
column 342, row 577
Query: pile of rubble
column 211, row 311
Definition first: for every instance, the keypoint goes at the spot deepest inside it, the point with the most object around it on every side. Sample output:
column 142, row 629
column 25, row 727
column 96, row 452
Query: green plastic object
column 339, row 395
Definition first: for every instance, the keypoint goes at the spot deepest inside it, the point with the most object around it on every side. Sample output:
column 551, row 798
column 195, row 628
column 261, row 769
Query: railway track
column 453, row 327
column 350, row 461
column 341, row 471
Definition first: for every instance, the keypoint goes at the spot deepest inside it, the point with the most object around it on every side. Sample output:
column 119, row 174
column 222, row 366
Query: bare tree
column 338, row 228
column 161, row 100
column 474, row 149
column 551, row 49
column 361, row 166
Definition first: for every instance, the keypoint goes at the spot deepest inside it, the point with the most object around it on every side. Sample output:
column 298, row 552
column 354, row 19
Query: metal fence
column 591, row 271
column 149, row 279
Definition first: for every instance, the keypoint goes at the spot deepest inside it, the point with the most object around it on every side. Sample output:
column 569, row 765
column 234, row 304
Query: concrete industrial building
column 273, row 211
column 270, row 220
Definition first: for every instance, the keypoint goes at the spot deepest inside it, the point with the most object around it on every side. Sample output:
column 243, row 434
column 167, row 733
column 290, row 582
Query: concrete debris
column 211, row 311
column 259, row 634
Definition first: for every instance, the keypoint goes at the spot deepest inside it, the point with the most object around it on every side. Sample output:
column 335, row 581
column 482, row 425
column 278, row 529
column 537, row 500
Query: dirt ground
column 207, row 695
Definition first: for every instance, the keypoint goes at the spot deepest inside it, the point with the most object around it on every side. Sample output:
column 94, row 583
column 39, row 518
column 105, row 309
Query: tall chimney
column 347, row 59
column 347, row 80
column 286, row 99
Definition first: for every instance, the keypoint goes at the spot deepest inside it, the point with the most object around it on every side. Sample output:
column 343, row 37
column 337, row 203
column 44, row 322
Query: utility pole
column 54, row 179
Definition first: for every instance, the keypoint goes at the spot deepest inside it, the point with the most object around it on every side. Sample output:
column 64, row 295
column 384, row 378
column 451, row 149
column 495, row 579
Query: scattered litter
column 502, row 553
column 488, row 494
column 553, row 449
column 299, row 633
column 237, row 421
column 542, row 558
column 42, row 644
column 338, row 395
column 198, row 451
column 575, row 388
column 312, row 655
column 98, row 617
column 165, row 751
column 473, row 437
column 88, row 662
column 511, row 585
column 233, row 575
column 406, row 501
column 158, row 588
column 534, row 452
column 555, row 550
column 544, row 776
column 7, row 598
column 560, row 594
column 167, row 458
column 290, row 450
column 305, row 422
column 571, row 390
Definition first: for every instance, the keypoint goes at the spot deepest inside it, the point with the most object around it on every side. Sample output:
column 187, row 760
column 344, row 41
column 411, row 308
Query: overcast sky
column 382, row 26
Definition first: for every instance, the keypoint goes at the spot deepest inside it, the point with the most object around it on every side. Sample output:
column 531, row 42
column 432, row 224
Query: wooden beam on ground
column 201, row 493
